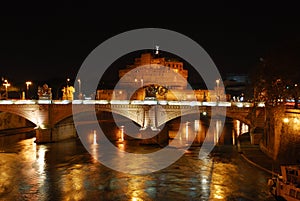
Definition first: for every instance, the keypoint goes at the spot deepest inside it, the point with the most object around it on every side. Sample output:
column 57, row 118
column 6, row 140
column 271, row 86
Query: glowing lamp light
column 95, row 138
column 40, row 126
column 28, row 83
column 285, row 120
column 156, row 49
column 121, row 134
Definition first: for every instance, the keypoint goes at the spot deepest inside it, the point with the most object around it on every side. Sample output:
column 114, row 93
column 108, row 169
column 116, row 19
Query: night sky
column 50, row 41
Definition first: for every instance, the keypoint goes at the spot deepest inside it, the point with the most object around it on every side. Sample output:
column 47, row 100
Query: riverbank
column 14, row 131
column 13, row 136
column 253, row 154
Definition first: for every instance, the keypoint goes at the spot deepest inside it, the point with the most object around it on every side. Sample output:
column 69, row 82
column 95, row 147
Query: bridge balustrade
column 132, row 102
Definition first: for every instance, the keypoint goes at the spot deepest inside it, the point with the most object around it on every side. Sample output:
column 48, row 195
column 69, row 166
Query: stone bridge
column 49, row 115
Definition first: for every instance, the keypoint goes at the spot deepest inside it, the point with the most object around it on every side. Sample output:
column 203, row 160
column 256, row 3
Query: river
column 66, row 171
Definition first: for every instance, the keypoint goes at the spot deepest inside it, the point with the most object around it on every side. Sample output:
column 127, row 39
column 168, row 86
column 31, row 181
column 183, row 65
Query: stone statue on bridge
column 152, row 90
column 44, row 92
column 68, row 93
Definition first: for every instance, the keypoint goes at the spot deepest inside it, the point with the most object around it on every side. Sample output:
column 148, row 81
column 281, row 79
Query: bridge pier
column 150, row 118
column 43, row 135
column 161, row 138
column 57, row 133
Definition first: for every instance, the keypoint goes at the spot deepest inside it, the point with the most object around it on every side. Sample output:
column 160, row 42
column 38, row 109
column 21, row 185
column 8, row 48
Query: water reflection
column 197, row 133
column 22, row 170
column 95, row 138
column 41, row 165
column 187, row 131
column 217, row 131
column 66, row 171
column 72, row 183
column 94, row 152
column 122, row 134
column 201, row 133
column 240, row 127
column 197, row 125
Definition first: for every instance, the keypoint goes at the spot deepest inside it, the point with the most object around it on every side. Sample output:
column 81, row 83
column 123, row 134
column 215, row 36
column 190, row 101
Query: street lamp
column 6, row 84
column 79, row 90
column 68, row 80
column 27, row 87
column 218, row 82
column 217, row 89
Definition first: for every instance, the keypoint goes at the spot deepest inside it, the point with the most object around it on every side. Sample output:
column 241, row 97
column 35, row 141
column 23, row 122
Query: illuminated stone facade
column 151, row 69
column 155, row 68
column 281, row 139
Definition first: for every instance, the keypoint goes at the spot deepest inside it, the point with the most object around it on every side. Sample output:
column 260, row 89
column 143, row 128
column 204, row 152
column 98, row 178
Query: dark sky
column 46, row 41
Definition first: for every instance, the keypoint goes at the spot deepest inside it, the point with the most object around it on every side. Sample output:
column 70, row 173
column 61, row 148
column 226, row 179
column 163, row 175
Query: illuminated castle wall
column 156, row 68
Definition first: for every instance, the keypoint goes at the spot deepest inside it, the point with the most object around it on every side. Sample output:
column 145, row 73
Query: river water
column 66, row 171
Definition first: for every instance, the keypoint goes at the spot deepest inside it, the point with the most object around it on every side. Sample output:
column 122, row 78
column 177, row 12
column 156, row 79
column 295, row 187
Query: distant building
column 236, row 86
column 110, row 94
column 168, row 72
column 153, row 65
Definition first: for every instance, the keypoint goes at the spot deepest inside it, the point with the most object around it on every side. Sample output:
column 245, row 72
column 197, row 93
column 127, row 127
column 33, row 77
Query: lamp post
column 217, row 89
column 296, row 96
column 68, row 80
column 79, row 89
column 27, row 88
column 6, row 84
column 67, row 89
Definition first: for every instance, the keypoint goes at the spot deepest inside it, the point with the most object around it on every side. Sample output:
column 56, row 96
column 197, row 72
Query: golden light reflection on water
column 121, row 134
column 94, row 146
column 29, row 152
column 197, row 125
column 72, row 183
column 34, row 157
column 41, row 164
column 218, row 192
column 41, row 159
column 187, row 131
column 134, row 188
column 220, row 181
column 94, row 152
column 95, row 138
column 29, row 164
column 240, row 127
column 121, row 146
column 39, row 174
column 214, row 133
column 8, row 165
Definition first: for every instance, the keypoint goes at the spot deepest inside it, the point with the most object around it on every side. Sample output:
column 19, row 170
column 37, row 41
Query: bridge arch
column 169, row 113
column 125, row 111
column 30, row 114
column 47, row 116
column 241, row 118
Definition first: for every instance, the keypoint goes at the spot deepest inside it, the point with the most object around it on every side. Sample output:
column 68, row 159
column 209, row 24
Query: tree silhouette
column 276, row 77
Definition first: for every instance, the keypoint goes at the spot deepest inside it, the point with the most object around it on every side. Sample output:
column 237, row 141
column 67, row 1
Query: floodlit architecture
column 166, row 78
column 154, row 68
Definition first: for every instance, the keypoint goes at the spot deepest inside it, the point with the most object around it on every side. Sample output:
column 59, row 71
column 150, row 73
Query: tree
column 276, row 76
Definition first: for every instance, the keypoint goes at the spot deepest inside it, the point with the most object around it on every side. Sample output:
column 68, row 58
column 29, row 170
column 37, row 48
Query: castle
column 160, row 72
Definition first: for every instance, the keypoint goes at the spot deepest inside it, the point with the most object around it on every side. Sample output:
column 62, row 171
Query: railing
column 132, row 102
